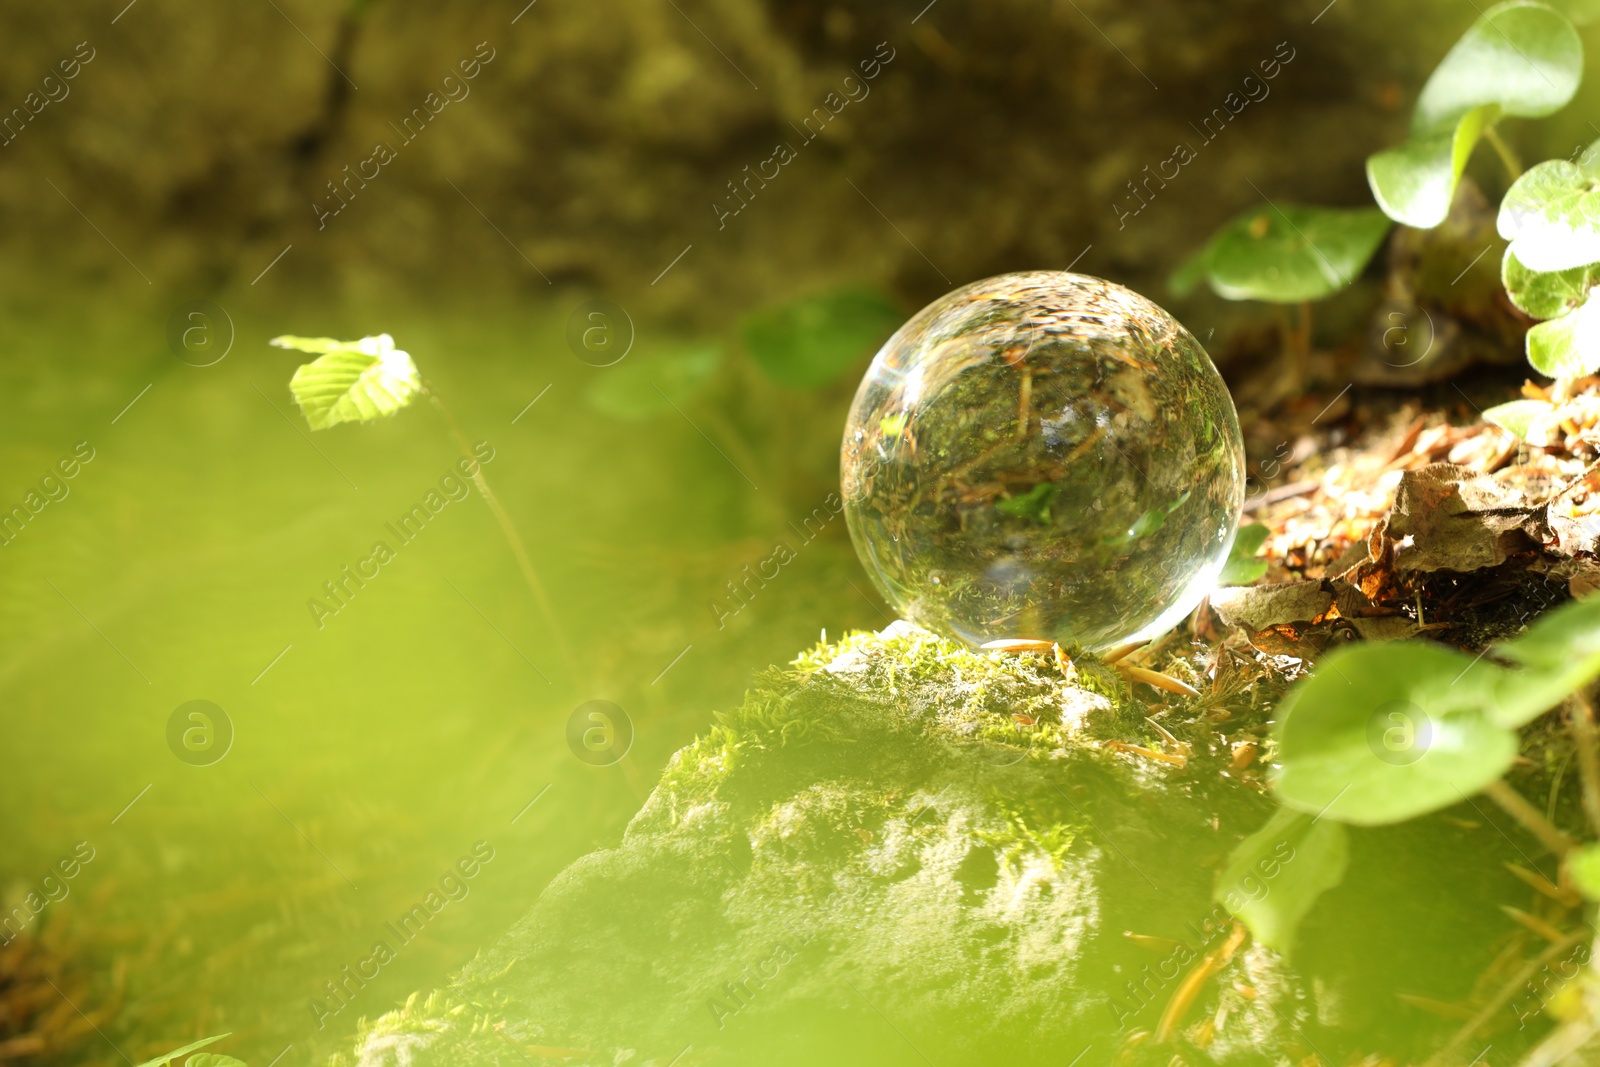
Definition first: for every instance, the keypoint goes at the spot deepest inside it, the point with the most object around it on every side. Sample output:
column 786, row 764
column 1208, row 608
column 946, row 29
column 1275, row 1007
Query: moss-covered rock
column 902, row 851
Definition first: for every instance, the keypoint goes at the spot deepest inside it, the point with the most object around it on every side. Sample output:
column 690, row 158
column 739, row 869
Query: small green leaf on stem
column 351, row 381
column 1523, row 419
column 177, row 1054
column 1286, row 254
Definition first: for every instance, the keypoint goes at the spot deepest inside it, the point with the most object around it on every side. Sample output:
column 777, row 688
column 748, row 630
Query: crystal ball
column 1043, row 455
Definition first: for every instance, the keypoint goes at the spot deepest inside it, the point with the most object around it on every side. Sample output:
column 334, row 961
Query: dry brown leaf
column 1452, row 518
column 1257, row 607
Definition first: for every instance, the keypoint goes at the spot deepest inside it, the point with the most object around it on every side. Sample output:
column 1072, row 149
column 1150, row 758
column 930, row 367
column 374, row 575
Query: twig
column 529, row 576
column 1122, row 652
column 1542, row 885
column 1503, row 997
column 1189, row 989
column 1581, row 717
column 1280, row 494
column 1157, row 679
column 1532, row 820
column 1534, row 924
column 1570, row 486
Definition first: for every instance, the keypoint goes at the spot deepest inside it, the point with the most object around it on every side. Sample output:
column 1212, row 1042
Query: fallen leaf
column 1376, row 578
column 1301, row 640
column 1452, row 518
column 1386, row 628
column 1574, row 533
column 1257, row 607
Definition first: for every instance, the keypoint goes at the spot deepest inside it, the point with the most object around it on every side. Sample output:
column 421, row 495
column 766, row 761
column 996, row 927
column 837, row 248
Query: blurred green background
column 587, row 162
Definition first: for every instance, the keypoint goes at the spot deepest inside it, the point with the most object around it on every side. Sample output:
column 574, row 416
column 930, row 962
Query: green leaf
column 1546, row 294
column 1276, row 874
column 1382, row 733
column 643, row 387
column 163, row 1061
column 810, row 342
column 1291, row 253
column 1521, row 58
column 1551, row 215
column 314, row 345
column 1567, row 347
column 353, row 381
column 1414, row 183
column 1584, row 866
column 1520, row 417
column 1242, row 567
column 1034, row 504
column 1558, row 654
column 207, row 1059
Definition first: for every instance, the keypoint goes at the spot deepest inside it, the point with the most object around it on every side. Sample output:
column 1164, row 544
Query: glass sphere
column 1047, row 456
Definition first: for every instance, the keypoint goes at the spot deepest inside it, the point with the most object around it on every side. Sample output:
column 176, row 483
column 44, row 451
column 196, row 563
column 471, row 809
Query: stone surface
column 876, row 861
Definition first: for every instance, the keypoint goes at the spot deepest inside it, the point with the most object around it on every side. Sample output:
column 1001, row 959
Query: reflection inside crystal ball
column 1043, row 455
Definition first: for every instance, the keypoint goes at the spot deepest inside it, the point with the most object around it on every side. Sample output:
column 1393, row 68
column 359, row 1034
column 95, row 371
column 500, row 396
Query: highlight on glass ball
column 1045, row 456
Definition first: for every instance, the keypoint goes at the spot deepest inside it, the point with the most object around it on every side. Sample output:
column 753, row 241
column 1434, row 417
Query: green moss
column 1024, row 837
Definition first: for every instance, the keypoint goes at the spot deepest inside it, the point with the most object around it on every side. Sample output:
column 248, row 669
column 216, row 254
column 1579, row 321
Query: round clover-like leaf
column 1523, row 56
column 1287, row 254
column 1277, row 873
column 1546, row 294
column 1526, row 420
column 1414, row 183
column 811, row 341
column 1520, row 58
column 1382, row 733
column 1551, row 215
column 1557, row 655
column 1569, row 346
column 352, row 381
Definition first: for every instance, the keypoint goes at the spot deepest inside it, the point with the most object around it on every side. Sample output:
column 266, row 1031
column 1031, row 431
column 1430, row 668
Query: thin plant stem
column 524, row 564
column 1580, row 715
column 1508, row 158
column 1305, row 333
column 1531, row 818
column 1286, row 329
